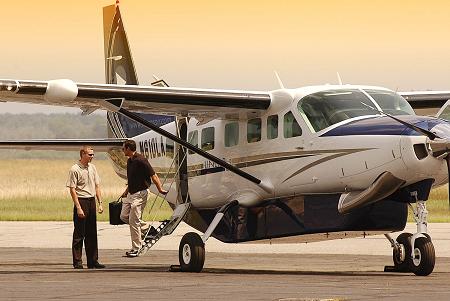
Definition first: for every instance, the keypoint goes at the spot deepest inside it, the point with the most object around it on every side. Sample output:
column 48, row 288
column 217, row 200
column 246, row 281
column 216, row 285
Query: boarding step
column 165, row 228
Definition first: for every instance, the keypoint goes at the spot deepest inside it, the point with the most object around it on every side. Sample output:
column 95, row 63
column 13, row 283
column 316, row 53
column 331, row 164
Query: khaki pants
column 132, row 209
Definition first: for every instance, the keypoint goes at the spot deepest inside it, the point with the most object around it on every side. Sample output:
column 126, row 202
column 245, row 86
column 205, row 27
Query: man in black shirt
column 140, row 174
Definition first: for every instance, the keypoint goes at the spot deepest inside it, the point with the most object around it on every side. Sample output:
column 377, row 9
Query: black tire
column 422, row 263
column 405, row 264
column 191, row 253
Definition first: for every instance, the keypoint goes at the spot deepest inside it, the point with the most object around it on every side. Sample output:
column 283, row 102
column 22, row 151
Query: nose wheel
column 401, row 253
column 414, row 252
column 419, row 261
column 423, row 260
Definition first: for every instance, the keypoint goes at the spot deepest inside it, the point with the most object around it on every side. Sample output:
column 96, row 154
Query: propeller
column 439, row 146
column 440, row 149
column 447, row 159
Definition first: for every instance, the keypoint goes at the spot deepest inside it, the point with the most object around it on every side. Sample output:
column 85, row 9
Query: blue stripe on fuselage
column 384, row 125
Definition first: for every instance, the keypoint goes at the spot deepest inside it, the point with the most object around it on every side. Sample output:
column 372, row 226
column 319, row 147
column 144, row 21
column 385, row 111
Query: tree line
column 49, row 126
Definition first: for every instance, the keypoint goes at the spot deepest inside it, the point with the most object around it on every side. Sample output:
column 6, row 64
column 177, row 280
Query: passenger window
column 208, row 138
column 254, row 130
column 169, row 148
column 231, row 134
column 272, row 127
column 291, row 127
column 193, row 139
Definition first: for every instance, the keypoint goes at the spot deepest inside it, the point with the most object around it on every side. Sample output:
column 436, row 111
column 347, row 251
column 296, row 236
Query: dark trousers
column 85, row 229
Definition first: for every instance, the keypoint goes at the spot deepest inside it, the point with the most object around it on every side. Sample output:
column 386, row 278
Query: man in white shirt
column 84, row 186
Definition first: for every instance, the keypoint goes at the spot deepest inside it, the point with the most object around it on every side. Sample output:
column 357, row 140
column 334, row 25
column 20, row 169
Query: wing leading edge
column 161, row 100
column 426, row 99
column 100, row 145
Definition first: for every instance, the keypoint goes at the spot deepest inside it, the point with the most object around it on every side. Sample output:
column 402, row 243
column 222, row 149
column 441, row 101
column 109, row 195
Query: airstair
column 166, row 227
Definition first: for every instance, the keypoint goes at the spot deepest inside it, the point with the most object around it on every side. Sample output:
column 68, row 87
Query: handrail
column 152, row 219
column 164, row 198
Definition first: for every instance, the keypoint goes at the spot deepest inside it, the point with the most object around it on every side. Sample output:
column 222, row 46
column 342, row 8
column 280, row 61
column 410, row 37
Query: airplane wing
column 145, row 99
column 99, row 145
column 426, row 99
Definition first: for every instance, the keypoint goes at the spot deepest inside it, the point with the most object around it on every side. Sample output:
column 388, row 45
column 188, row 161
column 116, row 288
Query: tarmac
column 35, row 264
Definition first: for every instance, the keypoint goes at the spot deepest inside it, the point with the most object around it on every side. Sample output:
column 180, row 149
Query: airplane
column 285, row 166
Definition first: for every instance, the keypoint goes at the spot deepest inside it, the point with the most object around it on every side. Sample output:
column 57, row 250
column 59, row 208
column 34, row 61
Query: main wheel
column 191, row 253
column 402, row 256
column 424, row 257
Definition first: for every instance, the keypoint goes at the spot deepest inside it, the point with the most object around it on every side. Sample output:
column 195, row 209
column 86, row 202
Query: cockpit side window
column 391, row 102
column 272, row 127
column 325, row 108
column 291, row 127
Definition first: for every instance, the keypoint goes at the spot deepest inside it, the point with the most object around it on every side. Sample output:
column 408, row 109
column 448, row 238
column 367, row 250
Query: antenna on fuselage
column 339, row 78
column 279, row 80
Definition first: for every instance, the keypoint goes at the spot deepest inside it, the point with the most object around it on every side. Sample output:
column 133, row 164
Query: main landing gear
column 191, row 252
column 414, row 252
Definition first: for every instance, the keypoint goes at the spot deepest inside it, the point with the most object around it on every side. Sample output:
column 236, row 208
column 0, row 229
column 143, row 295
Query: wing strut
column 116, row 106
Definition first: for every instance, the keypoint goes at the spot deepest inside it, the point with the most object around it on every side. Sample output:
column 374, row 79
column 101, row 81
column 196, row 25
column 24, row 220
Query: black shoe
column 78, row 266
column 132, row 253
column 96, row 265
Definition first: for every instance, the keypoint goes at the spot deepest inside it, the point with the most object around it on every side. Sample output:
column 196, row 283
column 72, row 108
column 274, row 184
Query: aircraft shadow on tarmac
column 64, row 268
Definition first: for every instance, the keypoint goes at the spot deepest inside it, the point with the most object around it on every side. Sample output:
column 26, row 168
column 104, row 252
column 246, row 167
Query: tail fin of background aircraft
column 119, row 69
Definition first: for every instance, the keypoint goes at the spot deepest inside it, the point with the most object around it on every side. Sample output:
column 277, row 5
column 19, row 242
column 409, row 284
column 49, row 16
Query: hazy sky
column 402, row 45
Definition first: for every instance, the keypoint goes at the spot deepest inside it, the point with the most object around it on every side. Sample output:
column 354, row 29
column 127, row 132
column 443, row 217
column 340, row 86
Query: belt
column 145, row 189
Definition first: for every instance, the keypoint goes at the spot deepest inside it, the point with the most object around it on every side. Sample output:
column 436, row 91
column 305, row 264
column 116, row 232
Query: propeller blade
column 440, row 147
column 447, row 159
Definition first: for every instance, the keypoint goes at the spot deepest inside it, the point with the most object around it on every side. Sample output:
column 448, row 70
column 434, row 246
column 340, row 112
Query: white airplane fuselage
column 310, row 163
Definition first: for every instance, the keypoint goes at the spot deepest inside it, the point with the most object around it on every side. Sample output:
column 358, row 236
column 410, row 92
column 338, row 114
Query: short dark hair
column 130, row 144
column 84, row 150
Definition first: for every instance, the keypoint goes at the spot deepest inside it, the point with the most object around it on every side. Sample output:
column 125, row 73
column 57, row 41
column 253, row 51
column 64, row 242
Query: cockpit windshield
column 325, row 108
column 390, row 102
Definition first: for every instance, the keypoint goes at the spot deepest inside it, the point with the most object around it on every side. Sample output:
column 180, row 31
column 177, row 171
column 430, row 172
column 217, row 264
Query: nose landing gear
column 423, row 259
column 401, row 252
column 414, row 252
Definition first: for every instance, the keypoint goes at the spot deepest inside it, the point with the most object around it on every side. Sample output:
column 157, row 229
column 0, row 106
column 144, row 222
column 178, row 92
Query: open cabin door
column 181, row 162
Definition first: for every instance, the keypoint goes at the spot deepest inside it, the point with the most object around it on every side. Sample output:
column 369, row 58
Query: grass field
column 35, row 190
column 438, row 206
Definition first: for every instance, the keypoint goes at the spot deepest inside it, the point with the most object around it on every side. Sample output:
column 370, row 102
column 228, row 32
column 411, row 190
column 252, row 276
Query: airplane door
column 182, row 180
